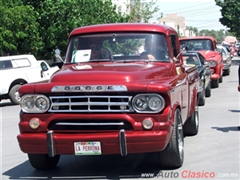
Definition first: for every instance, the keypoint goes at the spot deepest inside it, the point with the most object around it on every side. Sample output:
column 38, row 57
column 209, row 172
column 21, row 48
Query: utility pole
column 178, row 29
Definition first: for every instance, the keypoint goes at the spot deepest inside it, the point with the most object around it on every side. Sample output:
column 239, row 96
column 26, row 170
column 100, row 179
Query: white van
column 21, row 69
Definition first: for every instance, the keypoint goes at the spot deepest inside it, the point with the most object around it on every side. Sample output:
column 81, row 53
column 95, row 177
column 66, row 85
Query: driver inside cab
column 155, row 49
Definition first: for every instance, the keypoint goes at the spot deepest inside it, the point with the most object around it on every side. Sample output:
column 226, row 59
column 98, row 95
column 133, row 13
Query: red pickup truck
column 206, row 45
column 123, row 101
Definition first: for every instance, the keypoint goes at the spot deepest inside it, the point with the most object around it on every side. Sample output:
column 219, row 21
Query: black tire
column 227, row 72
column 191, row 126
column 201, row 98
column 208, row 90
column 13, row 94
column 215, row 83
column 43, row 161
column 221, row 79
column 173, row 155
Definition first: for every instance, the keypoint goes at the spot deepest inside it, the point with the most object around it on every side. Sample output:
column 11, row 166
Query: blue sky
column 202, row 14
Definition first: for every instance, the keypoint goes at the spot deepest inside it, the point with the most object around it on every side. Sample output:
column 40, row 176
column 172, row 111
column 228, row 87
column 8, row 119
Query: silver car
column 227, row 59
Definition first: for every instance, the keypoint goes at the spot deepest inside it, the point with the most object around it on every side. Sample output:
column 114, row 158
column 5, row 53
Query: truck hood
column 111, row 72
column 210, row 55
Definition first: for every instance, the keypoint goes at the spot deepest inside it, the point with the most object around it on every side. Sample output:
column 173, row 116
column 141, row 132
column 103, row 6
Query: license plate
column 87, row 148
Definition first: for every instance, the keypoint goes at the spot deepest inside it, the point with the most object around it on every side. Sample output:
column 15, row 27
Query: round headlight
column 28, row 103
column 140, row 103
column 34, row 103
column 42, row 103
column 148, row 103
column 155, row 103
column 213, row 63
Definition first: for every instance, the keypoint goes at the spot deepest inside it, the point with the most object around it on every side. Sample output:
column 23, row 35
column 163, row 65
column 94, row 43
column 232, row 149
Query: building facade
column 178, row 23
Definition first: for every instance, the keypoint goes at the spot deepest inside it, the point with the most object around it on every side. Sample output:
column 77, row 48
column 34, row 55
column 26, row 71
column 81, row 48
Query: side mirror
column 183, row 48
column 58, row 56
column 176, row 60
column 57, row 51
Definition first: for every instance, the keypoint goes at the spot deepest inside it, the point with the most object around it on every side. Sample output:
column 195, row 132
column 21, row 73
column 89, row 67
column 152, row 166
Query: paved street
column 213, row 153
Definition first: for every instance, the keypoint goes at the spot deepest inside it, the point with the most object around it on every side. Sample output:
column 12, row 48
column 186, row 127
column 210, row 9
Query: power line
column 197, row 12
column 199, row 15
column 207, row 20
column 185, row 7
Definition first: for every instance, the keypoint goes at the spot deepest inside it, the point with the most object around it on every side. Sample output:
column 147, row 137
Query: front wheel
column 172, row 156
column 14, row 95
column 201, row 98
column 43, row 161
column 215, row 83
column 208, row 90
column 221, row 79
column 227, row 72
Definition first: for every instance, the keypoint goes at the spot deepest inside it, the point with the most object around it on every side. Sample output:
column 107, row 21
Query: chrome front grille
column 90, row 104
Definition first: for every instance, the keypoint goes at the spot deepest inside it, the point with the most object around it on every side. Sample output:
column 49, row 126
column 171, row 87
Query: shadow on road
column 234, row 110
column 91, row 167
column 226, row 129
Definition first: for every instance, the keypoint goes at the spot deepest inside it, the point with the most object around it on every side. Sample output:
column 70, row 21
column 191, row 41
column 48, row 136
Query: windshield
column 117, row 46
column 191, row 59
column 197, row 44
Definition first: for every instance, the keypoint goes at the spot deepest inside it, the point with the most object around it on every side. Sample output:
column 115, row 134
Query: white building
column 123, row 5
column 178, row 23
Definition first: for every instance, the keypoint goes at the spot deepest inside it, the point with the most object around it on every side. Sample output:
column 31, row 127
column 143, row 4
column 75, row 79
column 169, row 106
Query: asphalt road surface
column 212, row 154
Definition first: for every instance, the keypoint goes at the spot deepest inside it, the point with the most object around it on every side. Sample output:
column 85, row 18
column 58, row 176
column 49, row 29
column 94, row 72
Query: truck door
column 184, row 95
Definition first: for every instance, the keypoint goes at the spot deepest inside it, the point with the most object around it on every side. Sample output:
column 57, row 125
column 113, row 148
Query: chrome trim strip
column 122, row 142
column 90, row 110
column 89, row 124
column 50, row 144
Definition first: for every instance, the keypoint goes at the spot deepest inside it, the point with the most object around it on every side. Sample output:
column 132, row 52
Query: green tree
column 192, row 30
column 19, row 30
column 218, row 35
column 41, row 26
column 230, row 15
column 142, row 11
column 57, row 18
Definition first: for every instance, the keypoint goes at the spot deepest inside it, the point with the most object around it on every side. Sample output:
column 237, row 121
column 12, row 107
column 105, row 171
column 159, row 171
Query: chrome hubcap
column 180, row 139
column 196, row 117
column 17, row 96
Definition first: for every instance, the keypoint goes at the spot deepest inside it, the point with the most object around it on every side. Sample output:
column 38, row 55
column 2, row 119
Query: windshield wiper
column 67, row 63
column 99, row 60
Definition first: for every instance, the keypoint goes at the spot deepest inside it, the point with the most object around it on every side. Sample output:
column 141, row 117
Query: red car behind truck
column 206, row 45
column 122, row 103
